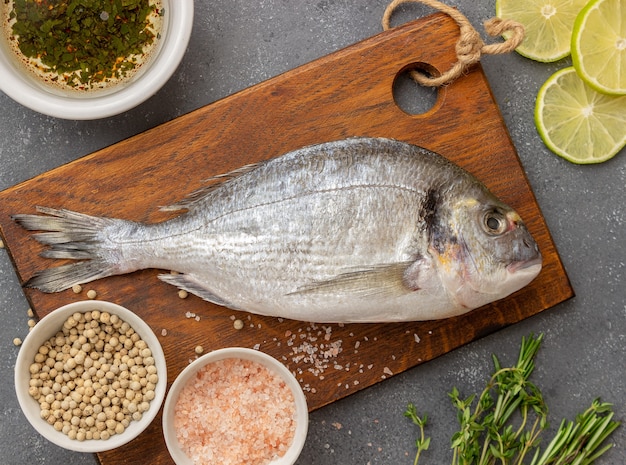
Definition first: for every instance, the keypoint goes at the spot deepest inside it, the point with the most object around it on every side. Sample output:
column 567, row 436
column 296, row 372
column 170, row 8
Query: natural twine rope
column 470, row 46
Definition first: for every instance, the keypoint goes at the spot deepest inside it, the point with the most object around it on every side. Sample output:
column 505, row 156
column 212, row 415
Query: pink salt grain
column 234, row 412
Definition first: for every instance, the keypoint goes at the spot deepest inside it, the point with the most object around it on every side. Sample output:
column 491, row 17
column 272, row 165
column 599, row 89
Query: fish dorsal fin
column 216, row 181
column 384, row 280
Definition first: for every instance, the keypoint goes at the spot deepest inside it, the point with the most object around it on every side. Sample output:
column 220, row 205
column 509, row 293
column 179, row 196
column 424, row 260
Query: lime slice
column 599, row 45
column 577, row 122
column 548, row 25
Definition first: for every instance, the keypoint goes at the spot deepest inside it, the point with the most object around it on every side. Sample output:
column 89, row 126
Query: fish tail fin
column 63, row 277
column 73, row 236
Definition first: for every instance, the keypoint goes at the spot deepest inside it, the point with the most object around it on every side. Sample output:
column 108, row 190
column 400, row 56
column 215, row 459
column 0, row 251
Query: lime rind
column 578, row 123
column 599, row 46
column 548, row 25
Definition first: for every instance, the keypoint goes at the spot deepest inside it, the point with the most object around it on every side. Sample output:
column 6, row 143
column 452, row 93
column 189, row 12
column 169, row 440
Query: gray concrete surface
column 236, row 44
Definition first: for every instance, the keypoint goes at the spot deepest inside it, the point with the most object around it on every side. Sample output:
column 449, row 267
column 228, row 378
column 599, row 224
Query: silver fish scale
column 331, row 167
column 306, row 238
column 305, row 217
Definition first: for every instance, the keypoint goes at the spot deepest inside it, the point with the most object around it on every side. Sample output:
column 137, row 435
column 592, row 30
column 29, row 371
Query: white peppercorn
column 93, row 377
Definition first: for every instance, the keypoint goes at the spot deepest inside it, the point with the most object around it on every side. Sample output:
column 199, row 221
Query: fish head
column 486, row 252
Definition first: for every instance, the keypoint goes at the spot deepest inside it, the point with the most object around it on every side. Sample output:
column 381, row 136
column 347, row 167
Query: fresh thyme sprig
column 422, row 442
column 505, row 424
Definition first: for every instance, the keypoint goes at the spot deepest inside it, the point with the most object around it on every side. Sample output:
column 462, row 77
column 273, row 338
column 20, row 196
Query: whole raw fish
column 357, row 230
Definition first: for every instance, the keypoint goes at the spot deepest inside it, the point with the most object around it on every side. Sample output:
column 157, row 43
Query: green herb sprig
column 422, row 442
column 504, row 424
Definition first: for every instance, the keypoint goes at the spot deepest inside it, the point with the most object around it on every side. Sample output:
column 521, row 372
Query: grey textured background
column 236, row 44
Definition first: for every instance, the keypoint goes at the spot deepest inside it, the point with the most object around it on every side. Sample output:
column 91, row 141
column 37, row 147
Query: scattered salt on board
column 235, row 412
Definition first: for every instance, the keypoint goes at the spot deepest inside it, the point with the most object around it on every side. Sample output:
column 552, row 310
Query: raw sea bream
column 356, row 230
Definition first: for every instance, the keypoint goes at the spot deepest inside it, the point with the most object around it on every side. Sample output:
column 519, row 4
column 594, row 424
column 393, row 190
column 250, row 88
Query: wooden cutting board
column 348, row 93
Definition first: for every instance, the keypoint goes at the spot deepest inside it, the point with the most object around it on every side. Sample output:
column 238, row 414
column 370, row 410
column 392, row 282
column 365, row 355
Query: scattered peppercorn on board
column 348, row 93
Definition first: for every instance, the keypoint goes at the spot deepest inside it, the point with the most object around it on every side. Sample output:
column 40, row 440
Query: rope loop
column 470, row 46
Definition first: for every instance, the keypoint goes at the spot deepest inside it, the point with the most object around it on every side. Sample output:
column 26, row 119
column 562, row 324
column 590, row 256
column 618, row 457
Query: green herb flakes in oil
column 84, row 44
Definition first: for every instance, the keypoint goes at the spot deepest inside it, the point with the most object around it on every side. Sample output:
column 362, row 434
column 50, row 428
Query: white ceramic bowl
column 302, row 415
column 48, row 327
column 27, row 90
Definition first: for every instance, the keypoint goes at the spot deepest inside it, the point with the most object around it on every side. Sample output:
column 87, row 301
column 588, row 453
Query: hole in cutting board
column 411, row 97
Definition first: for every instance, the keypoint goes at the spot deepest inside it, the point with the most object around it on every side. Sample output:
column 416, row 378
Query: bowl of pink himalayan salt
column 235, row 406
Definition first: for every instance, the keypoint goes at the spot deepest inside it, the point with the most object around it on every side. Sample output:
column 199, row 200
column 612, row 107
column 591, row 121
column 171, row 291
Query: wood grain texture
column 348, row 93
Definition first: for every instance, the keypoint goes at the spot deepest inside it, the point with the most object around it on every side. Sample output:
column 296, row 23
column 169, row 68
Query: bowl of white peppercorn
column 90, row 376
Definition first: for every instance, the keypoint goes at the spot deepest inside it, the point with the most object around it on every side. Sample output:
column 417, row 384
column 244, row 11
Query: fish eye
column 494, row 223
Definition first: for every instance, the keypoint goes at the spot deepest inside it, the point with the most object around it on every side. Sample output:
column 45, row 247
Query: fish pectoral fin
column 421, row 274
column 385, row 280
column 192, row 284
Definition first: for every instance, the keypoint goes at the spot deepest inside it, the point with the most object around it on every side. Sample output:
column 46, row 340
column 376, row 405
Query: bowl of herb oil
column 82, row 60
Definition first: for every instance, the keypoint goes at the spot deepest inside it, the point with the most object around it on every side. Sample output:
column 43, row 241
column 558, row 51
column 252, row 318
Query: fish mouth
column 525, row 264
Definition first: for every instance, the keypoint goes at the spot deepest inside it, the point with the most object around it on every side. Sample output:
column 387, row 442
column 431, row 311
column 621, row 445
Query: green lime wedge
column 599, row 45
column 548, row 25
column 578, row 123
